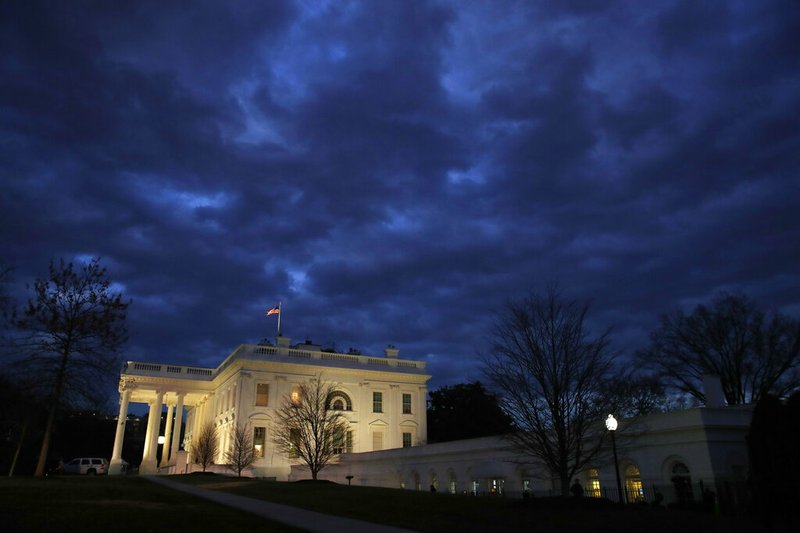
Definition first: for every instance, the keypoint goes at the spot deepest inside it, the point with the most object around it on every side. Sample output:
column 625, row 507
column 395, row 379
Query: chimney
column 391, row 351
column 712, row 389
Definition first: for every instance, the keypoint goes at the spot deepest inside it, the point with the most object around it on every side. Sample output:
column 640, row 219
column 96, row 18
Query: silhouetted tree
column 241, row 454
column 465, row 411
column 307, row 427
column 772, row 444
column 69, row 335
column 551, row 374
column 205, row 446
column 629, row 393
column 751, row 351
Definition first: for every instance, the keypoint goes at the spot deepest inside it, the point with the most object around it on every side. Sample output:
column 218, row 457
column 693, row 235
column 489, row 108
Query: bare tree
column 307, row 428
column 69, row 335
column 206, row 446
column 752, row 352
column 550, row 375
column 241, row 454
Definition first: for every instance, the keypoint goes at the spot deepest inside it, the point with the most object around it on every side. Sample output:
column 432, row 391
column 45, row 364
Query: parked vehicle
column 89, row 466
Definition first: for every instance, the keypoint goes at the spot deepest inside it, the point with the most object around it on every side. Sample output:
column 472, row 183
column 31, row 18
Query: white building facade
column 678, row 455
column 383, row 398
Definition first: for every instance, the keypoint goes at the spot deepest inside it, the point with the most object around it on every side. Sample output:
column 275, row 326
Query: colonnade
column 172, row 432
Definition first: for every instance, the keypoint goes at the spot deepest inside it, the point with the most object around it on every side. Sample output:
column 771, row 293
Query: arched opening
column 634, row 491
column 681, row 479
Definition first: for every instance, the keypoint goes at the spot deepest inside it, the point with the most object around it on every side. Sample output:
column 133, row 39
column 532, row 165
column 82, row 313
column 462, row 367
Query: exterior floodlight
column 611, row 425
column 161, row 439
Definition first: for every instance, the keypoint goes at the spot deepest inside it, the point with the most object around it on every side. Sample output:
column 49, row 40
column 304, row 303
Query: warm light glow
column 295, row 397
column 611, row 423
column 161, row 439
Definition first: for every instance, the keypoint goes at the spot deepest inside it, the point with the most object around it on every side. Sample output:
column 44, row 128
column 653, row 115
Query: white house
column 384, row 399
column 676, row 455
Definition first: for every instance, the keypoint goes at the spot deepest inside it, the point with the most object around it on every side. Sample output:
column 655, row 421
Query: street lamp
column 611, row 425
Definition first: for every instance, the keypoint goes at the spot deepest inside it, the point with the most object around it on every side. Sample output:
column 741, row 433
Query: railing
column 268, row 352
column 294, row 353
column 150, row 369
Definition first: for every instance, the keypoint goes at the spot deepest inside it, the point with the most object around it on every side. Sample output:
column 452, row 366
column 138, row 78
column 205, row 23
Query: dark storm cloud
column 395, row 171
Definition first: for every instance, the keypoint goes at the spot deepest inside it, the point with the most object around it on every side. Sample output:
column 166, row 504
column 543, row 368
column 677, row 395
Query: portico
column 157, row 385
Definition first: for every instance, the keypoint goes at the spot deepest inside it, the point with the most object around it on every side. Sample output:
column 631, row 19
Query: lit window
column 406, row 440
column 377, row 402
column 262, row 394
column 593, row 485
column 259, row 439
column 634, row 491
column 406, row 404
column 296, row 393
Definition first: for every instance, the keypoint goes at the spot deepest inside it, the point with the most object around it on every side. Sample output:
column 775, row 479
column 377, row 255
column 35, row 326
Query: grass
column 423, row 511
column 129, row 503
column 118, row 503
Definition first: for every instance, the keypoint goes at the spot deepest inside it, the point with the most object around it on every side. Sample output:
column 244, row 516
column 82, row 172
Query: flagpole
column 279, row 319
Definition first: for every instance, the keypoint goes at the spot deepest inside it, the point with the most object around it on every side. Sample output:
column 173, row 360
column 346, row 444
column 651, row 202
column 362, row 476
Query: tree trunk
column 19, row 447
column 51, row 416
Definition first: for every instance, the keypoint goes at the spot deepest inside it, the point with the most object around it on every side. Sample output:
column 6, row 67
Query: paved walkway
column 293, row 516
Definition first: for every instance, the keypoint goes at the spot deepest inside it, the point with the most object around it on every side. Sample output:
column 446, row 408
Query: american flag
column 274, row 311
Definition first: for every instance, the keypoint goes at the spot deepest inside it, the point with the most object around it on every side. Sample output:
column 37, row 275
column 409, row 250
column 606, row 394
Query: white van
column 89, row 466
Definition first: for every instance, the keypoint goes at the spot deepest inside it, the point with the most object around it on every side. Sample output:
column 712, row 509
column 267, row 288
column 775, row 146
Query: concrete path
column 293, row 516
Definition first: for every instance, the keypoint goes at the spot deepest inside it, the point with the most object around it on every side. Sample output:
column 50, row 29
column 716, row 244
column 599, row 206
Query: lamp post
column 611, row 425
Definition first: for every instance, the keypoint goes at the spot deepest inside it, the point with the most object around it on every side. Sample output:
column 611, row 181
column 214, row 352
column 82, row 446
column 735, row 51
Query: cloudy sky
column 393, row 172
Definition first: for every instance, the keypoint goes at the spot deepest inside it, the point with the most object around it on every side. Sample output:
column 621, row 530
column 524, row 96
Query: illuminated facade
column 383, row 398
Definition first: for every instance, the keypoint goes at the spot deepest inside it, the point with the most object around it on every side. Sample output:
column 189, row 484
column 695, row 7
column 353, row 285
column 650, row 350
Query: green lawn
column 114, row 504
column 423, row 511
column 129, row 503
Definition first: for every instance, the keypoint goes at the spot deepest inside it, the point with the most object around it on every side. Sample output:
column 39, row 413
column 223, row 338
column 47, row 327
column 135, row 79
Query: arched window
column 634, row 491
column 339, row 401
column 681, row 482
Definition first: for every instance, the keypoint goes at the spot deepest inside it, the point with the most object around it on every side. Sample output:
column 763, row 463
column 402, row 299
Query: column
column 167, row 436
column 176, row 438
column 116, row 456
column 148, row 465
column 422, row 415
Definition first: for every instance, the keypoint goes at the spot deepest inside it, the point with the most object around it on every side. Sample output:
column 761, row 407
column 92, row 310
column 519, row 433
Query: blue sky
column 394, row 172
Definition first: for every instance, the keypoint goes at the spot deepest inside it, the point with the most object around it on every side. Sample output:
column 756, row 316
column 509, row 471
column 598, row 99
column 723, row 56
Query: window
column 377, row 402
column 634, row 491
column 296, row 394
column 593, row 485
column 295, row 439
column 682, row 482
column 406, row 440
column 343, row 442
column 339, row 401
column 262, row 394
column 406, row 404
column 377, row 440
column 259, row 439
